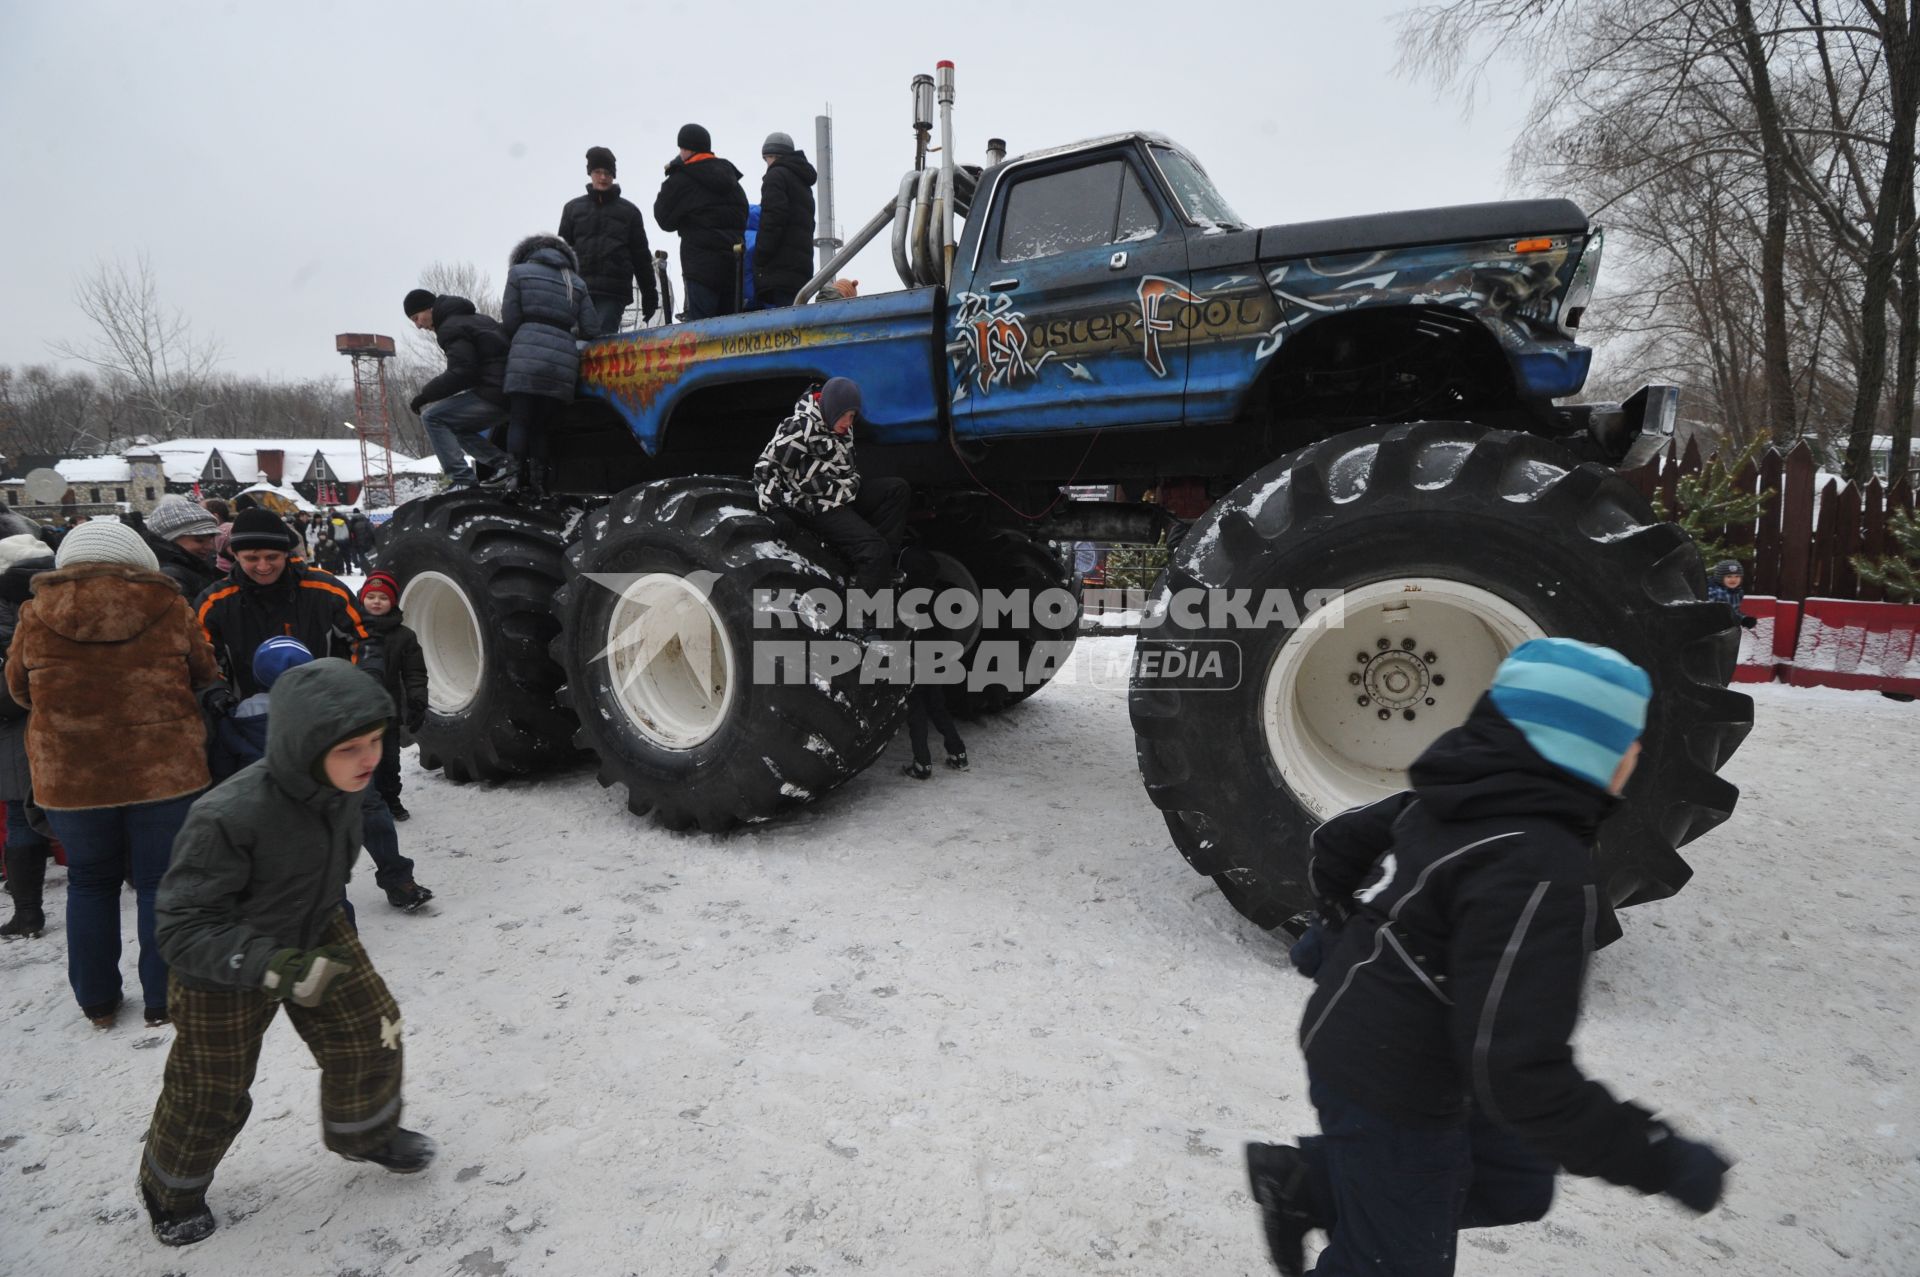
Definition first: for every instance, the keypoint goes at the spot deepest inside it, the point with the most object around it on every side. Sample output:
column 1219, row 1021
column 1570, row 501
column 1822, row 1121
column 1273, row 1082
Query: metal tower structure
column 374, row 425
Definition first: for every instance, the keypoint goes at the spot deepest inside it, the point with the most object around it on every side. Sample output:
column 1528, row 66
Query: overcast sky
column 290, row 169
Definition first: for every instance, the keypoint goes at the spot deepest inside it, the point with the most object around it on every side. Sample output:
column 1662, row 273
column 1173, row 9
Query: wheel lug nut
column 1366, row 700
column 1386, row 713
column 1362, row 657
column 1354, row 679
column 1382, row 644
column 1406, row 645
column 1439, row 680
column 1429, row 657
column 1430, row 700
column 1408, row 715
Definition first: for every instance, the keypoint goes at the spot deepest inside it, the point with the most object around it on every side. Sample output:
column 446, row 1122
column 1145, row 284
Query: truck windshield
column 1198, row 199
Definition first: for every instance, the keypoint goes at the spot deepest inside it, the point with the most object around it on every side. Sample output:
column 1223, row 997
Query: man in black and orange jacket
column 268, row 594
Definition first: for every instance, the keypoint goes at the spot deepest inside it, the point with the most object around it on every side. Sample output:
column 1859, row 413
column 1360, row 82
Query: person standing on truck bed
column 702, row 199
column 610, row 237
column 808, row 467
column 783, row 253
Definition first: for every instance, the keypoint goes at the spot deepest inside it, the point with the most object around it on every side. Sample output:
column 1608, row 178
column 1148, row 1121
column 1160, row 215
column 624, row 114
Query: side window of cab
column 1087, row 207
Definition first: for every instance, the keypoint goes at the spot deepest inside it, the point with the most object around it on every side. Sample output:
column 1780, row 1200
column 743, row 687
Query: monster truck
column 1350, row 434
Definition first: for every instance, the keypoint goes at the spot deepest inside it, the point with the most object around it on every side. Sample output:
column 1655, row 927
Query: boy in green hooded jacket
column 249, row 918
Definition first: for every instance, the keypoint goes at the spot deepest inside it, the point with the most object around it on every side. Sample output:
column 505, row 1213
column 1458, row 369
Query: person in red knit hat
column 392, row 653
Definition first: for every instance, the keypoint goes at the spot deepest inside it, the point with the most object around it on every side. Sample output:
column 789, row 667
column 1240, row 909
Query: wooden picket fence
column 1803, row 545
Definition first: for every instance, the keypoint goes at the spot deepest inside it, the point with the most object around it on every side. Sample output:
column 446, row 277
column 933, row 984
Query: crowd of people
column 224, row 740
column 505, row 378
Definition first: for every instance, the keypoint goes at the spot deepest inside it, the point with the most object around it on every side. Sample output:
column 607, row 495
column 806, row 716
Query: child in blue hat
column 1456, row 921
column 240, row 738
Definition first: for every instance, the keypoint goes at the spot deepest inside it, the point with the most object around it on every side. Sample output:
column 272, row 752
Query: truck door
column 1068, row 319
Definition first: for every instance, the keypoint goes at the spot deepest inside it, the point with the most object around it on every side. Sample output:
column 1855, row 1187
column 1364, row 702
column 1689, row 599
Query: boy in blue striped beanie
column 1456, row 922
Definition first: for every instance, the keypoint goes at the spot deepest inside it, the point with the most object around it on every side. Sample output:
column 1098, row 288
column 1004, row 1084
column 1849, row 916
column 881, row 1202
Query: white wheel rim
column 669, row 661
column 440, row 613
column 1335, row 752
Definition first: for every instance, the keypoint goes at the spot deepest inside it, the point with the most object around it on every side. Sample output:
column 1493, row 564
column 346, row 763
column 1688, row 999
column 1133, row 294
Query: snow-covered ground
column 985, row 1024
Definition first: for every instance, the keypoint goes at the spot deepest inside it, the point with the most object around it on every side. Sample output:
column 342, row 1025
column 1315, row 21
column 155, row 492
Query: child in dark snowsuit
column 392, row 652
column 240, row 738
column 1457, row 918
column 927, row 701
column 248, row 920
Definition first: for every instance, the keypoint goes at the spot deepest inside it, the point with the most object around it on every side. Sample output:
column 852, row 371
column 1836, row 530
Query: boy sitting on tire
column 1457, row 919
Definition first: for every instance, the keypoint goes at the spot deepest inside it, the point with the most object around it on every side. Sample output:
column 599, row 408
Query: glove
column 218, row 700
column 303, row 975
column 416, row 721
column 1748, row 622
column 1695, row 1173
column 1310, row 950
column 415, row 405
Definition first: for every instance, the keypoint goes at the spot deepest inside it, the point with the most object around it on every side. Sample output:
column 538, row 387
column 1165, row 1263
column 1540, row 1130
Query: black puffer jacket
column 16, row 586
column 610, row 236
column 239, row 614
column 190, row 572
column 702, row 199
column 392, row 654
column 783, row 250
column 476, row 352
column 1456, row 980
column 544, row 308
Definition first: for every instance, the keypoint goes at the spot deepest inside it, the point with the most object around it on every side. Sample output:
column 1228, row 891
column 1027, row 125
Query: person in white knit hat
column 109, row 658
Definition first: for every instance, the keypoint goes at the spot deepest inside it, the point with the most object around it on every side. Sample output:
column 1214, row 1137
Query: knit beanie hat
column 1580, row 706
column 601, row 157
column 176, row 517
column 777, row 144
column 105, row 541
column 20, row 547
column 258, row 529
column 838, row 396
column 418, row 300
column 276, row 656
column 382, row 583
column 694, row 138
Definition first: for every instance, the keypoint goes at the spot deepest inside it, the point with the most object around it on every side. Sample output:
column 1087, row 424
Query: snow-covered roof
column 288, row 495
column 94, row 470
column 185, row 460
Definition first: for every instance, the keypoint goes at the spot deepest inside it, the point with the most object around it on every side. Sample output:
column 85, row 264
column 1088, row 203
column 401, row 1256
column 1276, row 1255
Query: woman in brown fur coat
column 108, row 657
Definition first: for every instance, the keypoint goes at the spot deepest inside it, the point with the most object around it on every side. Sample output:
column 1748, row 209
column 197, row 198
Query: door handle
column 1117, row 262
column 1002, row 285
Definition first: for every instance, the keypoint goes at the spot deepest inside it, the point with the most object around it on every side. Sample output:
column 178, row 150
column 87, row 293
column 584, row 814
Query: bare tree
column 141, row 344
column 1756, row 157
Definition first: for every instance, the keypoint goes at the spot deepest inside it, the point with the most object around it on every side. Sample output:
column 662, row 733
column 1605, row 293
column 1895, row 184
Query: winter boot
column 26, row 924
column 1277, row 1176
column 958, row 761
column 919, row 771
column 103, row 1015
column 157, row 1016
column 405, row 1152
column 178, row 1228
column 397, row 809
column 409, row 896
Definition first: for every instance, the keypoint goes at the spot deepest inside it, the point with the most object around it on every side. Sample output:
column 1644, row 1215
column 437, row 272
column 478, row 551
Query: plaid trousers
column 354, row 1035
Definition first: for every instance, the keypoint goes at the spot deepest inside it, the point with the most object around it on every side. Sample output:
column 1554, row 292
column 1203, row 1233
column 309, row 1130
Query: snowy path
column 985, row 1024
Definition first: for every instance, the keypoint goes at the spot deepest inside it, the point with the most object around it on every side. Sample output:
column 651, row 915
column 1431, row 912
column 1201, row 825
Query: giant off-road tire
column 1452, row 544
column 1009, row 655
column 662, row 620
column 477, row 578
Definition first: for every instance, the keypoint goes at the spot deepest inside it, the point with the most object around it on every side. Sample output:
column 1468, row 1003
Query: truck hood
column 1454, row 224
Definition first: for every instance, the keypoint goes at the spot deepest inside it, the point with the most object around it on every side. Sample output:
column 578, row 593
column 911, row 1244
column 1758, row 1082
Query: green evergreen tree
column 1897, row 573
column 1135, row 567
column 1710, row 502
